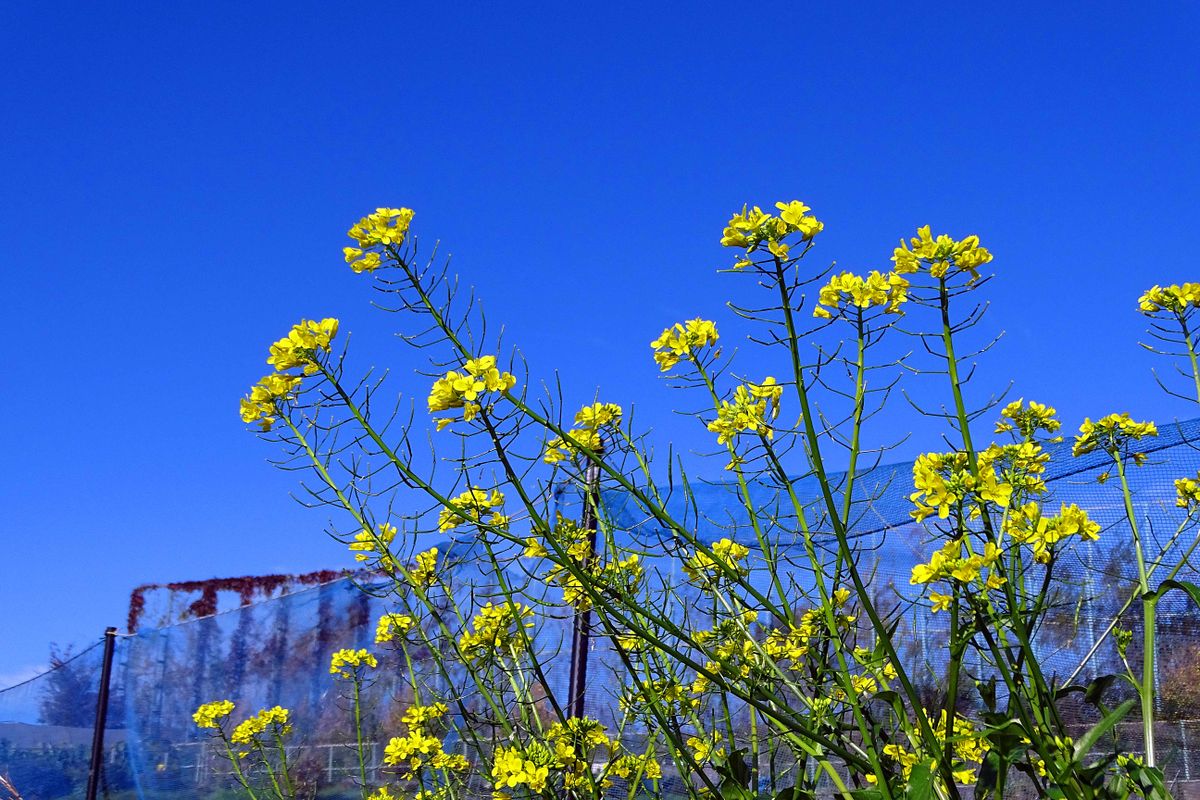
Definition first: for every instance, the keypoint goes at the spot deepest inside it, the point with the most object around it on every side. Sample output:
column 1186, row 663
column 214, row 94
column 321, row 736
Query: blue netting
column 277, row 651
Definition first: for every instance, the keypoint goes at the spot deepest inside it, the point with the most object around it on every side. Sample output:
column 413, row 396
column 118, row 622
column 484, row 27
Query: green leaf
column 795, row 793
column 1190, row 589
column 1086, row 742
column 920, row 782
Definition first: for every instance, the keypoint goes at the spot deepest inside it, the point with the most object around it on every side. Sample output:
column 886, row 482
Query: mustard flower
column 511, row 768
column 727, row 556
column 387, row 226
column 470, row 508
column 1111, row 434
column 250, row 729
column 877, row 290
column 1177, row 299
column 210, row 715
column 944, row 482
column 465, row 389
column 592, row 419
column 494, row 630
column 1027, row 419
column 940, row 255
column 304, row 342
column 348, row 663
column 1187, row 492
column 748, row 411
column 392, row 624
column 753, row 228
column 365, row 542
column 262, row 404
column 423, row 571
column 683, row 340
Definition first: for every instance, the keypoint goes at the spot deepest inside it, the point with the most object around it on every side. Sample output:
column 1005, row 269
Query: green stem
column 1146, row 691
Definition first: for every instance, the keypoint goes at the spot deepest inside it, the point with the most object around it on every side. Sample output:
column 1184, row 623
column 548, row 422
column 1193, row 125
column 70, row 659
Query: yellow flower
column 941, row 602
column 748, row 411
column 479, row 376
column 1027, row 420
column 683, row 340
column 387, row 226
column 347, row 663
column 940, row 255
column 423, row 571
column 1177, row 299
column 210, row 715
column 263, row 402
column 470, row 507
column 494, row 630
column 511, row 769
column 304, row 342
column 360, row 261
column 726, row 556
column 847, row 290
column 1187, row 492
column 252, row 728
column 1111, row 434
column 391, row 624
column 365, row 542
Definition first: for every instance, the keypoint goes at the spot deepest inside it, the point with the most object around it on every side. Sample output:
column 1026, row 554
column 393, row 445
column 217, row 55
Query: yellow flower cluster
column 1111, row 434
column 754, row 228
column 1187, row 492
column 262, row 404
column 1176, row 299
column 464, row 389
column 591, row 420
column 495, row 630
column 348, row 663
column 726, row 558
column 250, row 729
column 683, row 340
column 299, row 348
column 470, row 508
column 512, row 768
column 940, row 255
column 304, row 342
column 1026, row 525
column 706, row 747
column 420, row 716
column 970, row 750
column 418, row 747
column 629, row 765
column 573, row 742
column 944, row 482
column 751, row 406
column 384, row 227
column 623, row 574
column 1020, row 465
column 1027, row 420
column 210, row 715
column 950, row 563
column 889, row 291
column 365, row 543
column 391, row 625
column 423, row 571
column 667, row 694
column 794, row 642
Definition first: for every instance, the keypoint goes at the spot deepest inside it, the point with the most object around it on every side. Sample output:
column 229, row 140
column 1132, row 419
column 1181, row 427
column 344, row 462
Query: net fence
column 276, row 652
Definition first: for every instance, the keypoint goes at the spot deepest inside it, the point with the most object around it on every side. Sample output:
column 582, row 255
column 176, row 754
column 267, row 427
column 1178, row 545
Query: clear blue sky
column 177, row 180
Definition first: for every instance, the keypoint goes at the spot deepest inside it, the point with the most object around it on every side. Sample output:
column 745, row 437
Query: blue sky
column 178, row 179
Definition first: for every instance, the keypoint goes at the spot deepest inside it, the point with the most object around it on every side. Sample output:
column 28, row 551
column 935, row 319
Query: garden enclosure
column 276, row 651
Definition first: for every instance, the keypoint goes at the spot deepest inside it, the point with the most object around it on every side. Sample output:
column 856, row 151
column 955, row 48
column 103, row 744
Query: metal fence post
column 581, row 633
column 93, row 784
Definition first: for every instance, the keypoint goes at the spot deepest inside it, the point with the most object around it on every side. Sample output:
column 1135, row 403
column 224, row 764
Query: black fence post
column 581, row 634
column 93, row 784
